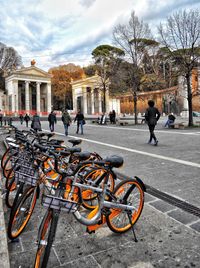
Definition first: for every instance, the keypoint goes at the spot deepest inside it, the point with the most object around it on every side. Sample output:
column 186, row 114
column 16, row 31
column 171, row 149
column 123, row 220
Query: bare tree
column 130, row 37
column 9, row 58
column 107, row 60
column 180, row 34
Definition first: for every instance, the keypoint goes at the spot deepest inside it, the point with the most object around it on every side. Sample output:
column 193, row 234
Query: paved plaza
column 168, row 236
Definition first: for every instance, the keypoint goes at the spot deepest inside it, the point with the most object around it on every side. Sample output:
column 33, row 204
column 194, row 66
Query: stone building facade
column 166, row 100
column 27, row 90
column 88, row 96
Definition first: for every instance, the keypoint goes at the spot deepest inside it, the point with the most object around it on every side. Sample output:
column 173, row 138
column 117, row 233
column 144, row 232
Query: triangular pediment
column 33, row 71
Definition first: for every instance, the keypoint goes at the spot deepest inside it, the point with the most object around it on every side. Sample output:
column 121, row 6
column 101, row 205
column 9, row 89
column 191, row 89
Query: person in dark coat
column 80, row 121
column 21, row 118
column 26, row 119
column 152, row 115
column 66, row 119
column 1, row 118
column 52, row 120
column 36, row 125
column 114, row 117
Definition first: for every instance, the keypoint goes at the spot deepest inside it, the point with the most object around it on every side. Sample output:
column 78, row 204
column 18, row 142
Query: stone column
column 100, row 102
column 49, row 98
column 38, row 106
column 74, row 103
column 84, row 92
column 15, row 99
column 92, row 100
column 27, row 97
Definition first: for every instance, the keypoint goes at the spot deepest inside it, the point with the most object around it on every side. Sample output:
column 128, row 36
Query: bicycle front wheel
column 46, row 236
column 13, row 193
column 22, row 212
column 4, row 158
column 128, row 192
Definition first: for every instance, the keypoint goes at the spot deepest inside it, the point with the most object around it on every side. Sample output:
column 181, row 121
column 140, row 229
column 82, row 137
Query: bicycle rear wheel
column 22, row 212
column 128, row 192
column 46, row 236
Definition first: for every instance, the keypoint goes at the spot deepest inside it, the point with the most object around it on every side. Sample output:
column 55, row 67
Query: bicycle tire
column 48, row 231
column 5, row 157
column 7, row 166
column 10, row 177
column 127, row 192
column 13, row 193
column 21, row 214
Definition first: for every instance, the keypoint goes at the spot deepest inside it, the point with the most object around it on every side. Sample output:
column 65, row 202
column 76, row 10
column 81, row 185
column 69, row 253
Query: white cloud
column 42, row 28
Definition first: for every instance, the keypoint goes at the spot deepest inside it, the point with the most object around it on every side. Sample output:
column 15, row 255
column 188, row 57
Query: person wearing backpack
column 66, row 119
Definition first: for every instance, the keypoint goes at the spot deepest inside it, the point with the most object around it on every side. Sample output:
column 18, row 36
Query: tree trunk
column 135, row 106
column 189, row 98
column 104, row 100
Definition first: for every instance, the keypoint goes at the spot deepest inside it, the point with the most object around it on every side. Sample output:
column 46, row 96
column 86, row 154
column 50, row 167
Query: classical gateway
column 28, row 90
column 88, row 96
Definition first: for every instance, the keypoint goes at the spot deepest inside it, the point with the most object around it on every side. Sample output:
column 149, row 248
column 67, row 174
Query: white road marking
column 146, row 130
column 183, row 162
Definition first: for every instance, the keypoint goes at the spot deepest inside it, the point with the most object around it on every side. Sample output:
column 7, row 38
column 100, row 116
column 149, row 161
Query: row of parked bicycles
column 37, row 167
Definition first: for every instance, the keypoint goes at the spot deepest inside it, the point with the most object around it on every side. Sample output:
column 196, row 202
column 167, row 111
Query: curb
column 4, row 255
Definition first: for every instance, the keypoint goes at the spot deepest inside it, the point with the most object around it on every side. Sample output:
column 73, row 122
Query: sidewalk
column 165, row 240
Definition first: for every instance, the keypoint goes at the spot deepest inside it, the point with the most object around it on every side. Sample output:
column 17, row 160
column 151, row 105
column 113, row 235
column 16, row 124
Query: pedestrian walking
column 80, row 121
column 111, row 116
column 21, row 118
column 27, row 119
column 52, row 120
column 36, row 125
column 114, row 117
column 1, row 118
column 10, row 121
column 66, row 119
column 152, row 115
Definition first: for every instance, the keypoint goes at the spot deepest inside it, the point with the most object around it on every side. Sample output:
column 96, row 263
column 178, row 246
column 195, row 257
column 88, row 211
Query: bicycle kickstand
column 129, row 217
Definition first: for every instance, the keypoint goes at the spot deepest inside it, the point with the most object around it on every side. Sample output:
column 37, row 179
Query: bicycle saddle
column 83, row 155
column 75, row 141
column 114, row 161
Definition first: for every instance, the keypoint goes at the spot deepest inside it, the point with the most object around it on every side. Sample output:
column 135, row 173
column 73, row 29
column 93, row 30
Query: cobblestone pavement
column 167, row 236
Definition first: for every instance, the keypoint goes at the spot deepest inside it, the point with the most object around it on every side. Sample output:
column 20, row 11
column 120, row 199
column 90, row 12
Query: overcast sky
column 56, row 32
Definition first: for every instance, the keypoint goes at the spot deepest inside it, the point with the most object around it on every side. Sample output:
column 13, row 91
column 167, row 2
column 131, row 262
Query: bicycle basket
column 63, row 197
column 27, row 174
